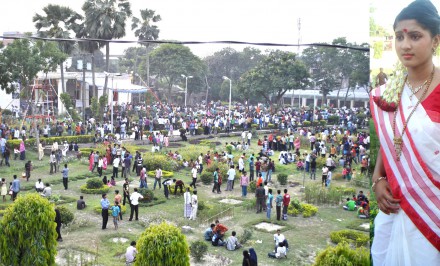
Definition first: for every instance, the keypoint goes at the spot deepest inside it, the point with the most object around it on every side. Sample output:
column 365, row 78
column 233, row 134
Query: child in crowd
column 115, row 213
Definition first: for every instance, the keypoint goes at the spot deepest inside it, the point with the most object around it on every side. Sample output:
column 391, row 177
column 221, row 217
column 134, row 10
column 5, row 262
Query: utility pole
column 84, row 66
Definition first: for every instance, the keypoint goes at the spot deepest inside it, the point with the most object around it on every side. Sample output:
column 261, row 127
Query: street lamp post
column 186, row 85
column 230, row 93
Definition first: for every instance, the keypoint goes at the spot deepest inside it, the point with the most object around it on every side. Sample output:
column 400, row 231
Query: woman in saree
column 406, row 112
column 91, row 160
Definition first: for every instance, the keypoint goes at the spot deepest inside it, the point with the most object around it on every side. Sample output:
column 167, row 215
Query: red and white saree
column 412, row 236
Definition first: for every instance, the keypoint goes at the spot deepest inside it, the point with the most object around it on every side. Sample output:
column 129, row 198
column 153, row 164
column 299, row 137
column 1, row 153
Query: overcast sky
column 214, row 20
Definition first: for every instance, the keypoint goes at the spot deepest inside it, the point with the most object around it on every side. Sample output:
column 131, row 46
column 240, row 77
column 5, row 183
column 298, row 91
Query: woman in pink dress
column 104, row 163
column 166, row 141
column 91, row 161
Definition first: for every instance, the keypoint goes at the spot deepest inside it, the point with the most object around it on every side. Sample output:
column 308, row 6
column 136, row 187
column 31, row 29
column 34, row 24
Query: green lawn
column 85, row 241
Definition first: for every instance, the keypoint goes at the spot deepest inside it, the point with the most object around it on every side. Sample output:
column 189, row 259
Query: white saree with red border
column 412, row 236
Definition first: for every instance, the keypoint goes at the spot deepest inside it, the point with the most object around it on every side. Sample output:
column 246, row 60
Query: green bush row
column 51, row 140
column 165, row 174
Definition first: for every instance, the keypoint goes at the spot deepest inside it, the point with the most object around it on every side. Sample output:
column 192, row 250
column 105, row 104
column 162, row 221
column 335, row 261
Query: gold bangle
column 377, row 181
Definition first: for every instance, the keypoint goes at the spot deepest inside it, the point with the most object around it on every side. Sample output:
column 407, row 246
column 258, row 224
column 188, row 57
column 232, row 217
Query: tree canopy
column 278, row 73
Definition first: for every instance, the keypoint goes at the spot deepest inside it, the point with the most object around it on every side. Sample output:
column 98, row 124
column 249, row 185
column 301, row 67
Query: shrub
column 162, row 244
column 333, row 119
column 147, row 194
column 155, row 160
column 254, row 126
column 165, row 174
column 193, row 151
column 94, row 183
column 247, row 234
column 343, row 255
column 337, row 176
column 322, row 122
column 282, row 179
column 348, row 235
column 207, row 178
column 198, row 249
column 308, row 210
column 27, row 238
column 97, row 209
column 102, row 190
column 271, row 126
column 202, row 205
column 252, row 186
column 229, row 148
column 66, row 215
column 307, row 123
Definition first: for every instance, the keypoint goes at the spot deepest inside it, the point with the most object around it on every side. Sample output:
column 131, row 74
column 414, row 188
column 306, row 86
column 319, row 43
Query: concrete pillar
column 351, row 103
column 304, row 101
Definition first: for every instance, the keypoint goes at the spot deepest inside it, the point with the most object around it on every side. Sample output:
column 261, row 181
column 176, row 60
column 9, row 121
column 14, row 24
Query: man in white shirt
column 194, row 176
column 116, row 162
column 47, row 191
column 231, row 177
column 249, row 137
column 134, row 199
column 278, row 238
column 39, row 186
column 130, row 254
column 241, row 164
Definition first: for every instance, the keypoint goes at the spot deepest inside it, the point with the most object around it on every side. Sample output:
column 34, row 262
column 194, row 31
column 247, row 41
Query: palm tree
column 57, row 23
column 146, row 32
column 105, row 19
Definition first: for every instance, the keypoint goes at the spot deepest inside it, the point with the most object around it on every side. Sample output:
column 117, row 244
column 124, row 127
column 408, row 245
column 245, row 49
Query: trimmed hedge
column 66, row 215
column 102, row 190
column 51, row 140
column 348, row 235
column 343, row 255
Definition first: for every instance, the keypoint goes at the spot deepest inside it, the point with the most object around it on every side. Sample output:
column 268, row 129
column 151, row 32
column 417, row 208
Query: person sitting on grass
column 47, row 191
column 217, row 239
column 350, row 205
column 209, row 233
column 80, row 204
column 220, row 227
column 300, row 165
column 279, row 253
column 232, row 242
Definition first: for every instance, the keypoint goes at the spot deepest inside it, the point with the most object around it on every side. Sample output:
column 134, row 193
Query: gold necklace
column 416, row 89
column 398, row 141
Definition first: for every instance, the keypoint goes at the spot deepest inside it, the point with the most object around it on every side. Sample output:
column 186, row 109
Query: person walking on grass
column 15, row 187
column 65, row 173
column 157, row 178
column 231, row 176
column 134, row 199
column 118, row 198
column 194, row 176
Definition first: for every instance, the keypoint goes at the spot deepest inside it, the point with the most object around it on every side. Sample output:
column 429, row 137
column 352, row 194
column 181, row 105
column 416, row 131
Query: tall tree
column 57, row 23
column 170, row 61
column 146, row 31
column 278, row 73
column 231, row 63
column 105, row 19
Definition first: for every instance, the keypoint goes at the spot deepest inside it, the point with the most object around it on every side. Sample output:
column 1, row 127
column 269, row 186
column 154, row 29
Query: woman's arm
column 382, row 189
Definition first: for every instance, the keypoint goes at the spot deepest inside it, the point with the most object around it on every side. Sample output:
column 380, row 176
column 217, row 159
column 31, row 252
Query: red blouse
column 432, row 105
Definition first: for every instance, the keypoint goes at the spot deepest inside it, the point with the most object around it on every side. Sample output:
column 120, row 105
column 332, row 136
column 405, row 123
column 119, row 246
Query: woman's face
column 414, row 44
